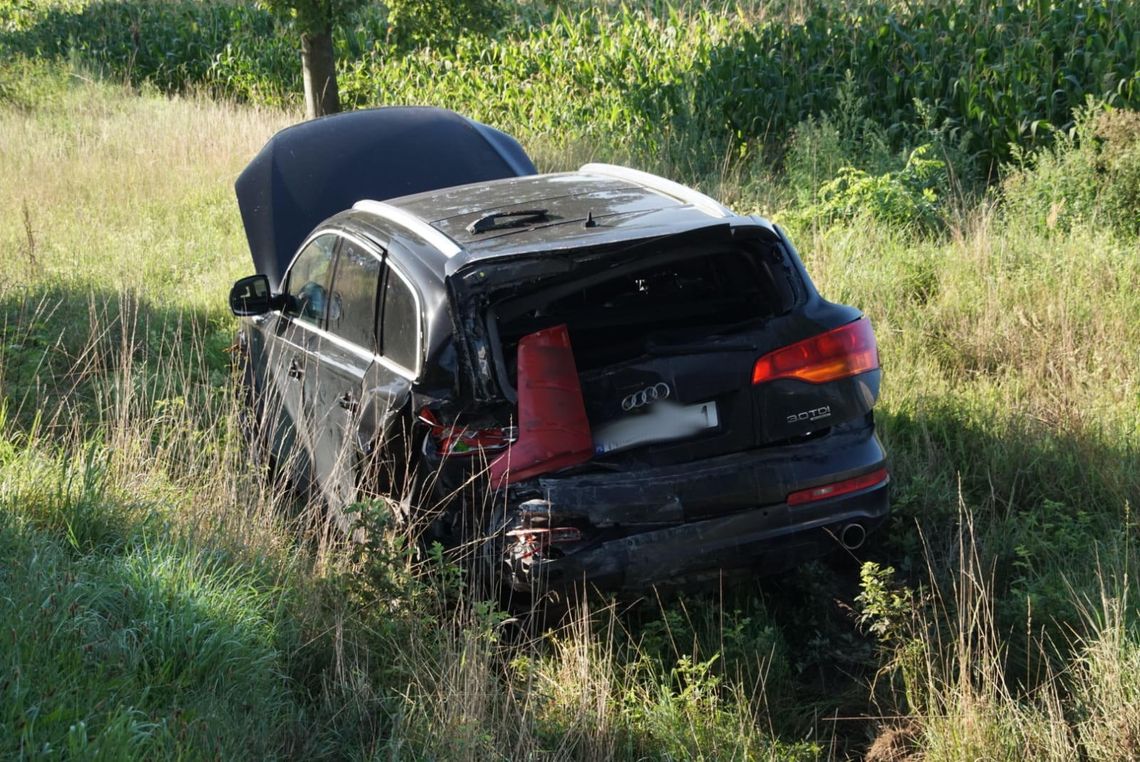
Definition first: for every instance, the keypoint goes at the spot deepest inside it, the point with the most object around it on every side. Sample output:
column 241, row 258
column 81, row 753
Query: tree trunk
column 319, row 69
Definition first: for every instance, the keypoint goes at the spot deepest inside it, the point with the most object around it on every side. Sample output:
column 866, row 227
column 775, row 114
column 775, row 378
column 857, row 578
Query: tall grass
column 161, row 599
column 948, row 657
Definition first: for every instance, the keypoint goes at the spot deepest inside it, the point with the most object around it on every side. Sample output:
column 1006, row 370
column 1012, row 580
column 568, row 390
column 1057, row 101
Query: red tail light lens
column 838, row 353
column 873, row 479
column 460, row 440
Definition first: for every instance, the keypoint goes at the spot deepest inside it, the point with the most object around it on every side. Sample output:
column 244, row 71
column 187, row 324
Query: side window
column 400, row 324
column 309, row 280
column 352, row 306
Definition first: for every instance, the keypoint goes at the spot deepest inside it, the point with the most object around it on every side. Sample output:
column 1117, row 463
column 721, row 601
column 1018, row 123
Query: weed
column 907, row 198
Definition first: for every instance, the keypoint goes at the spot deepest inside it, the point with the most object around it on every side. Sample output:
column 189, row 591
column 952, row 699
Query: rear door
column 369, row 355
column 664, row 339
column 697, row 346
column 347, row 348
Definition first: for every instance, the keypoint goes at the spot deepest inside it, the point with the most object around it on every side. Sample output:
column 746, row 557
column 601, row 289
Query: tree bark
column 319, row 68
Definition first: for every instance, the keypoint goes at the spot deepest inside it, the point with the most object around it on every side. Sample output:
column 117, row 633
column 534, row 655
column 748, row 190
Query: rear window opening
column 661, row 299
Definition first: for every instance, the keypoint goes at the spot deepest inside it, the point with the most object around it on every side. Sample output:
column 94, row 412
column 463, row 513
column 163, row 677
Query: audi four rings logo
column 649, row 394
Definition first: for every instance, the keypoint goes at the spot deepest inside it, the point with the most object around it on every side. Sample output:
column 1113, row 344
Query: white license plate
column 663, row 422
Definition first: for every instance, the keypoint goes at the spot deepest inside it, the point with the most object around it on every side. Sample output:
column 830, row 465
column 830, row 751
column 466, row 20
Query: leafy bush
column 820, row 147
column 440, row 23
column 1090, row 175
column 27, row 83
column 906, row 198
column 1118, row 158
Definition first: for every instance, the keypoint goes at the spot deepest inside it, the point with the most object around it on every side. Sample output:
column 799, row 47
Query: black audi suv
column 603, row 376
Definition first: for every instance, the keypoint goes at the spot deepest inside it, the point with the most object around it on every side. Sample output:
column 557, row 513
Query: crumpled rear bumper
column 767, row 540
column 649, row 528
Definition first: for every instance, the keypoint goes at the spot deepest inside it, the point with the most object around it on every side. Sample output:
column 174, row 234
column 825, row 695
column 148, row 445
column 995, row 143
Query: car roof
column 597, row 205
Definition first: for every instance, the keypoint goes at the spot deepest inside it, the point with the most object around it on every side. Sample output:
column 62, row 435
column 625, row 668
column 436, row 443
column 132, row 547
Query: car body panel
column 754, row 478
column 762, row 541
column 335, row 385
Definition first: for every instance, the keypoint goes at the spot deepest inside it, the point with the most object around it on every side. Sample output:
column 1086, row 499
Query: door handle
column 347, row 402
column 295, row 370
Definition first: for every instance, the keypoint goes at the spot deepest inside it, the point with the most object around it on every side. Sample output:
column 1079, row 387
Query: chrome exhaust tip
column 852, row 536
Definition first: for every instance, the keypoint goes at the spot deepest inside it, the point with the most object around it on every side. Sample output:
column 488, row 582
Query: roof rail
column 680, row 192
column 409, row 221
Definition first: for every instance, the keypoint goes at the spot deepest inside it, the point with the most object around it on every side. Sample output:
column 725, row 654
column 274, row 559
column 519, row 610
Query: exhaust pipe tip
column 852, row 536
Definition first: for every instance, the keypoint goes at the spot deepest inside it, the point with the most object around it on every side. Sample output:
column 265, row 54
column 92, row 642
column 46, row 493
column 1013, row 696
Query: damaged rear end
column 661, row 409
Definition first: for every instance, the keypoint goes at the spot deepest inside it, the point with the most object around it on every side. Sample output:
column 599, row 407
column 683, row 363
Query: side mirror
column 250, row 296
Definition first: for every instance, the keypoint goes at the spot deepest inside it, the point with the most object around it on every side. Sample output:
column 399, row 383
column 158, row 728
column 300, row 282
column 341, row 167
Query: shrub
column 821, row 147
column 640, row 78
column 908, row 198
column 28, row 83
column 1118, row 159
column 1091, row 175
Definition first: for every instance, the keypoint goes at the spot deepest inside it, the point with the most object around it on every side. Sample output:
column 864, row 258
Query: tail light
column 462, row 440
column 838, row 353
column 835, row 489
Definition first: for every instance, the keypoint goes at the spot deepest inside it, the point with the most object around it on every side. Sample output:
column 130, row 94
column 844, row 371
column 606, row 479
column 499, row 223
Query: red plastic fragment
column 553, row 429
column 461, row 440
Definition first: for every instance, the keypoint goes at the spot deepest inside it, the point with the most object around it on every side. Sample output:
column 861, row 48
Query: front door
column 292, row 344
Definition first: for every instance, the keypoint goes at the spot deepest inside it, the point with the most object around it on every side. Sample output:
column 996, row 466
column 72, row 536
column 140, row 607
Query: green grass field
column 159, row 599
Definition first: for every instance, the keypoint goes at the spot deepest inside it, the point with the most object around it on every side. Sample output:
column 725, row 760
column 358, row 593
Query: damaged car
column 598, row 376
